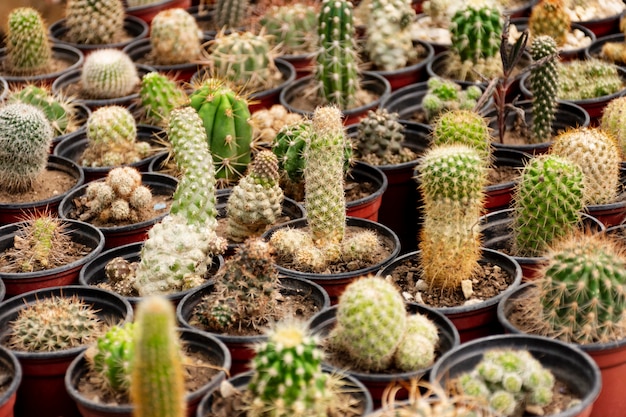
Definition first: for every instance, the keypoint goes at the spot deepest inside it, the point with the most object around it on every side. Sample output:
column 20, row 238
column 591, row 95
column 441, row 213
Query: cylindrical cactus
column 108, row 73
column 58, row 110
column 444, row 95
column 544, row 82
column 112, row 355
column 293, row 27
column 95, row 22
column 230, row 13
column 464, row 127
column 613, row 121
column 476, row 32
column 175, row 37
column 379, row 139
column 160, row 95
column 25, row 138
column 550, row 17
column 28, row 47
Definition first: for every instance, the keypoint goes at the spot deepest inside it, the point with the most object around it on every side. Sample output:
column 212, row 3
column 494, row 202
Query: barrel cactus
column 28, row 48
column 292, row 27
column 94, row 22
column 463, row 127
column 544, row 82
column 379, row 139
column 550, row 17
column 588, row 79
column 159, row 95
column 108, row 73
column 175, row 37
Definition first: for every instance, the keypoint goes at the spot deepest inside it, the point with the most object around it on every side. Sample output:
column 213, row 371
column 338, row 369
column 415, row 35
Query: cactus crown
column 108, row 73
column 550, row 17
column 28, row 48
column 379, row 139
column 463, row 127
column 111, row 357
column 95, row 22
column 613, row 121
column 175, row 37
column 475, row 32
column 230, row 13
column 544, row 81
column 159, row 95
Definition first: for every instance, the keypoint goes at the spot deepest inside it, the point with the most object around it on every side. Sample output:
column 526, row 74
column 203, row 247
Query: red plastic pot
column 410, row 74
column 8, row 397
column 367, row 207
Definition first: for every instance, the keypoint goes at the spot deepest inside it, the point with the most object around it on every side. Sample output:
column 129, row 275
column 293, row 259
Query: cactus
column 92, row 22
column 266, row 123
column 225, row 116
column 157, row 385
column 230, row 13
column 550, row 17
column 613, row 121
column 389, row 43
column 54, row 323
column 585, row 79
column 546, row 203
column 379, row 139
column 28, row 48
column 292, row 27
column 59, row 110
column 451, row 179
column 256, row 200
column 25, row 138
column 544, row 81
column 463, row 127
column 175, row 37
column 444, row 95
column 111, row 357
column 160, row 95
column 108, row 73
column 598, row 156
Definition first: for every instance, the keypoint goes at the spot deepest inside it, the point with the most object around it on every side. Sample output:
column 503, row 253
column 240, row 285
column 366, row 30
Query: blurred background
column 51, row 10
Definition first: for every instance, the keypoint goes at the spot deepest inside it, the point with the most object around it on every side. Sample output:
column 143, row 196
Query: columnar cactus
column 157, row 385
column 28, row 48
column 379, row 139
column 108, row 73
column 160, row 95
column 464, row 127
column 292, row 27
column 231, row 13
column 94, row 22
column 59, row 111
column 225, row 116
column 546, row 203
column 175, row 37
column 25, row 138
column 585, row 79
column 444, row 95
column 544, row 82
column 112, row 355
column 598, row 156
column 550, row 17
column 613, row 121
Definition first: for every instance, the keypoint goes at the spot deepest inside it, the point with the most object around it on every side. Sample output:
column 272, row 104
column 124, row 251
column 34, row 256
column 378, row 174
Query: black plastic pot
column 604, row 26
column 367, row 207
column 410, row 74
column 595, row 49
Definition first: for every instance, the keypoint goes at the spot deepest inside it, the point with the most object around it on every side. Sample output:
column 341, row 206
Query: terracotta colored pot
column 7, row 400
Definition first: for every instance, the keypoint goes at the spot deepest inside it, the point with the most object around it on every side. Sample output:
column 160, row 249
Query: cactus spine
column 108, row 73
column 160, row 95
column 463, row 127
column 230, row 13
column 175, row 37
column 292, row 27
column 379, row 139
column 111, row 357
column 544, row 82
column 157, row 385
column 94, row 22
column 59, row 111
column 550, row 17
column 28, row 48
column 613, row 121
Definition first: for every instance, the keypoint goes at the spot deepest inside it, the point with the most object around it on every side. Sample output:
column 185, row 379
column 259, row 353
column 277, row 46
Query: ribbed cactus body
column 379, row 133
column 28, row 47
column 94, row 22
column 175, row 37
column 112, row 355
column 613, row 121
column 444, row 95
column 58, row 111
column 598, row 155
column 547, row 203
column 160, row 95
column 230, row 13
column 157, row 387
column 293, row 27
column 550, row 17
column 476, row 32
column 544, row 82
column 289, row 146
column 25, row 138
column 464, row 127
column 108, row 73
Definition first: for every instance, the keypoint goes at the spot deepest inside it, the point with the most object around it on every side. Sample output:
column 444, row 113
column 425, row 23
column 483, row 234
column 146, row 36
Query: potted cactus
column 147, row 10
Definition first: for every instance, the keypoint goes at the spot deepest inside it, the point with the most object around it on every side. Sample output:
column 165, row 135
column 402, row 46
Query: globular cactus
column 444, row 95
column 108, row 73
column 159, row 95
column 591, row 78
column 157, row 384
column 225, row 116
column 550, row 17
column 93, row 22
column 613, row 121
column 379, row 139
column 292, row 27
column 231, row 13
column 111, row 357
column 598, row 155
column 25, row 139
column 546, row 203
column 451, row 180
column 465, row 127
column 417, row 347
column 54, row 323
column 256, row 200
column 59, row 110
column 28, row 48
column 544, row 82
column 175, row 37
column 337, row 70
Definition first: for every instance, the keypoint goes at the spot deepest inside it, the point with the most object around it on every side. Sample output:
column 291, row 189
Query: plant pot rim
column 60, row 50
column 17, row 376
column 430, row 53
column 523, row 21
column 373, row 172
column 154, row 4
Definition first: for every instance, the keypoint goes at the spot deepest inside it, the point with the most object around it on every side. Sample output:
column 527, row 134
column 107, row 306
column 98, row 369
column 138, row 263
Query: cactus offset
column 160, row 95
column 292, row 27
column 59, row 110
column 28, row 49
column 613, row 121
column 464, row 127
column 108, row 73
column 94, row 22
column 231, row 13
column 550, row 17
column 444, row 95
column 111, row 357
column 544, row 81
column 379, row 139
column 175, row 37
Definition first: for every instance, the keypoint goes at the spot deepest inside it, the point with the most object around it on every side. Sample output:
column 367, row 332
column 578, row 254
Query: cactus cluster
column 230, row 13
column 28, row 48
column 175, row 37
column 108, row 73
column 445, row 95
column 613, row 121
column 544, row 82
column 292, row 27
column 111, row 357
column 159, row 95
column 550, row 17
column 25, row 139
column 463, row 127
column 587, row 79
column 92, row 22
column 379, row 139
column 59, row 110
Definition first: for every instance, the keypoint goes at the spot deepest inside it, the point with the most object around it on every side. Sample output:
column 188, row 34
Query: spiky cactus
column 225, row 116
column 444, row 95
column 544, row 82
column 292, row 27
column 59, row 110
column 28, row 48
column 379, row 139
column 590, row 78
column 108, row 73
column 613, row 121
column 475, row 32
column 231, row 13
column 550, row 17
column 451, row 179
column 464, row 127
column 598, row 156
column 111, row 357
column 175, row 37
column 94, row 22
column 25, row 138
column 159, row 95
column 157, row 385
column 546, row 203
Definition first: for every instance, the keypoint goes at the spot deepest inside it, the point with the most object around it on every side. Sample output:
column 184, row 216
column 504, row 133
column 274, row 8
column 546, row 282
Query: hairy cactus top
column 463, row 127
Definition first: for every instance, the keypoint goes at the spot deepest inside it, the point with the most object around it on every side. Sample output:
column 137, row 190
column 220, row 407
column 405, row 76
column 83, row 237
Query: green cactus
column 613, row 121
column 54, row 323
column 598, row 156
column 379, row 139
column 586, row 79
column 292, row 27
column 94, row 22
column 465, row 127
column 159, row 95
column 59, row 110
column 25, row 139
column 111, row 357
column 28, row 48
column 452, row 180
column 108, row 73
column 175, row 37
column 546, row 203
column 544, row 82
column 225, row 116
column 231, row 13
column 444, row 95
column 389, row 42
column 551, row 18
column 337, row 70
column 157, row 385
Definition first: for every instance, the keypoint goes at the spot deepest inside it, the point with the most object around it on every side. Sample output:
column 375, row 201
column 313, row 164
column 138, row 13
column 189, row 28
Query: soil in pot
column 50, row 183
column 59, row 62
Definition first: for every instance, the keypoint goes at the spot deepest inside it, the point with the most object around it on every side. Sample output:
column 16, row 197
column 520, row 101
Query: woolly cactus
column 550, row 17
column 585, row 79
column 444, row 95
column 111, row 357
column 230, row 13
column 108, row 73
column 463, row 127
column 28, row 48
column 598, row 156
column 157, row 385
column 451, row 179
column 546, row 203
column 92, row 22
column 225, row 116
column 58, row 110
column 292, row 27
column 175, row 37
column 54, row 323
column 160, row 95
column 379, row 139
column 544, row 82
column 25, row 138
column 256, row 200
column 613, row 121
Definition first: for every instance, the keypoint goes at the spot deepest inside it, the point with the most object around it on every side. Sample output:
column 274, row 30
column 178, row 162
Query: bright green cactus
column 160, row 95
column 379, row 139
column 112, row 355
column 230, row 13
column 28, row 48
column 108, row 73
column 225, row 116
column 613, row 121
column 256, row 200
column 175, row 37
column 25, row 138
column 598, row 155
column 452, row 180
column 444, row 95
column 546, row 203
column 587, row 79
column 544, row 82
column 95, row 22
column 292, row 27
column 58, row 110
column 464, row 127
